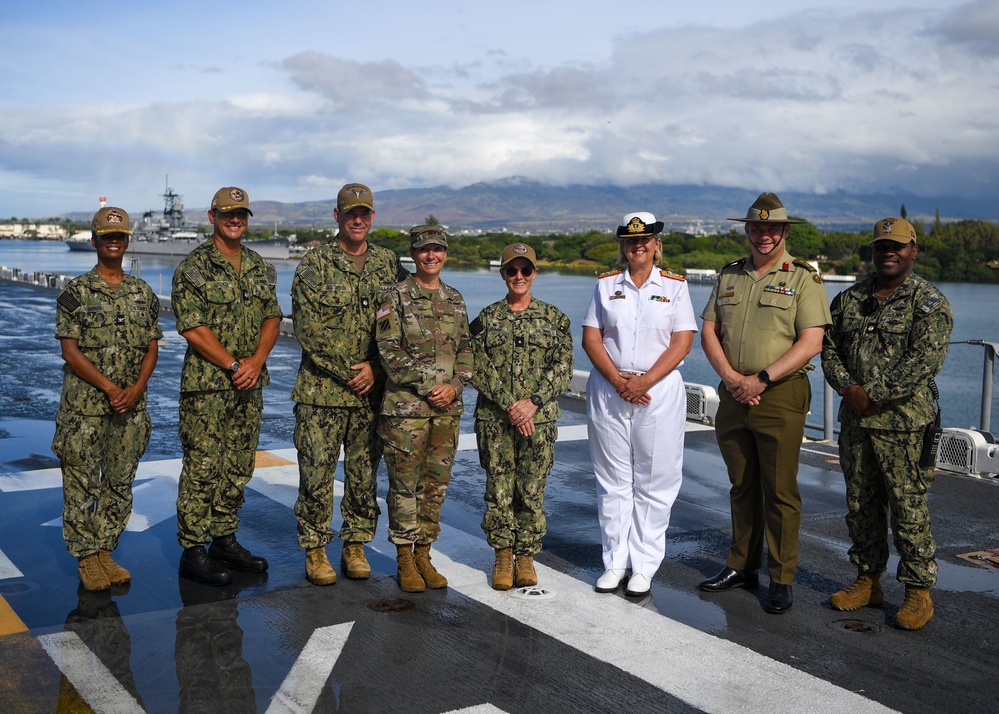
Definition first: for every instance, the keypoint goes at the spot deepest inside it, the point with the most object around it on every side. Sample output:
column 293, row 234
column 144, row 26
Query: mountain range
column 524, row 206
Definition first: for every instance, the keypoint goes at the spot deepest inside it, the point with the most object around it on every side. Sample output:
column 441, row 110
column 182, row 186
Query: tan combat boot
column 503, row 570
column 353, row 563
column 410, row 580
column 116, row 574
column 433, row 579
column 865, row 591
column 317, row 567
column 526, row 575
column 917, row 609
column 92, row 575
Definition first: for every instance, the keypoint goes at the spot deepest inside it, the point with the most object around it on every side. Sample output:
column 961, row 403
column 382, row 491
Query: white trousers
column 637, row 454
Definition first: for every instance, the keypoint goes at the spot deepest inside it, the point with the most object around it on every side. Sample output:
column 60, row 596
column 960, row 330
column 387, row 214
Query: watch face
column 536, row 400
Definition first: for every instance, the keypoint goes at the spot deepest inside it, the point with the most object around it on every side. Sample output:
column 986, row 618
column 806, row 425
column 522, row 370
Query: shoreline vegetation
column 958, row 251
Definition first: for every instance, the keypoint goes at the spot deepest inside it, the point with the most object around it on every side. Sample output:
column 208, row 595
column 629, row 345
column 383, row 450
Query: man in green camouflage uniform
column 226, row 306
column 888, row 341
column 423, row 343
column 340, row 385
column 523, row 361
column 107, row 324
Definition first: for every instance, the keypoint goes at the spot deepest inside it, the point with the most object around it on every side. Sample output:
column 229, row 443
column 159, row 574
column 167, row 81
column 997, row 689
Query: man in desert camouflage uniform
column 107, row 324
column 523, row 361
column 226, row 306
column 423, row 344
column 888, row 341
column 340, row 385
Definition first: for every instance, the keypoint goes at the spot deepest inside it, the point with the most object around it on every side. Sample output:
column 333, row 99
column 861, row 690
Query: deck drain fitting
column 392, row 604
column 533, row 592
column 856, row 627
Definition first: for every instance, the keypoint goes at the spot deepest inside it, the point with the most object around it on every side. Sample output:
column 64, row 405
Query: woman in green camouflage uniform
column 107, row 324
column 523, row 358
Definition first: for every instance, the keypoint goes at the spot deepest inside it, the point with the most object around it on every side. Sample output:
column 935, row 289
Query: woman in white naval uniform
column 638, row 328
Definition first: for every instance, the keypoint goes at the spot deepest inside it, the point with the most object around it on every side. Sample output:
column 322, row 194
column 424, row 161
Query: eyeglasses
column 511, row 271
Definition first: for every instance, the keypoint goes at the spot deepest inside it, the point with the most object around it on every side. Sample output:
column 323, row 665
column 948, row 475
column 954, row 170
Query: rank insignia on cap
column 236, row 195
column 358, row 192
column 636, row 225
column 764, row 214
column 113, row 217
column 886, row 226
column 519, row 249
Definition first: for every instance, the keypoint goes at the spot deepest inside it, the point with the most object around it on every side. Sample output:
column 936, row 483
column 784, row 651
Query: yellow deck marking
column 266, row 458
column 9, row 621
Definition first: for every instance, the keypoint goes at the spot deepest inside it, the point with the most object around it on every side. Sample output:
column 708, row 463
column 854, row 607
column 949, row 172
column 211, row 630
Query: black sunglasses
column 511, row 271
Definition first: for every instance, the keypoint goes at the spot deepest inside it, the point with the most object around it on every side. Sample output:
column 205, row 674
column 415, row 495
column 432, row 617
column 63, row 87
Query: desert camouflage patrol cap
column 230, row 198
column 110, row 220
column 767, row 209
column 896, row 229
column 353, row 195
column 420, row 236
column 519, row 250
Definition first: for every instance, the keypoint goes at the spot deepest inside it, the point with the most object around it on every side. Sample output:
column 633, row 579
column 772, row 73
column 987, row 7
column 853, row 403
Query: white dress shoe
column 638, row 585
column 610, row 581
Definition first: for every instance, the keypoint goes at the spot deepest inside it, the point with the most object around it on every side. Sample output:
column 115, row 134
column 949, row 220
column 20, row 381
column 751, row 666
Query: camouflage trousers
column 883, row 477
column 219, row 432
column 517, row 469
column 419, row 455
column 319, row 432
column 98, row 456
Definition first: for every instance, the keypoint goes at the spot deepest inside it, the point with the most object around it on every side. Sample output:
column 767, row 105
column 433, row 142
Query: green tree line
column 955, row 252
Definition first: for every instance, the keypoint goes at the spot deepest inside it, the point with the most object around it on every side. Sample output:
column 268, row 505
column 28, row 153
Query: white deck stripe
column 301, row 689
column 88, row 675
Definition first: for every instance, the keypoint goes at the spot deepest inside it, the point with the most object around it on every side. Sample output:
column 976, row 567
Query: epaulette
column 738, row 263
column 68, row 303
column 671, row 275
column 476, row 326
column 194, row 275
column 609, row 274
column 805, row 264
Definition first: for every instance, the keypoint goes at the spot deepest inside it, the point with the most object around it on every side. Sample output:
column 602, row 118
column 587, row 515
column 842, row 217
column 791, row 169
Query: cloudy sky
column 107, row 98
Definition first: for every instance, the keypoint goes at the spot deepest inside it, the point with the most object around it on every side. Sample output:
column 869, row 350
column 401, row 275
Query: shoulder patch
column 609, row 274
column 310, row 277
column 671, row 275
column 194, row 277
column 271, row 274
column 68, row 302
column 928, row 303
column 383, row 311
column 476, row 326
column 735, row 264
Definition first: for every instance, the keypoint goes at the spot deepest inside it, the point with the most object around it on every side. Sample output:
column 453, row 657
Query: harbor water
column 960, row 382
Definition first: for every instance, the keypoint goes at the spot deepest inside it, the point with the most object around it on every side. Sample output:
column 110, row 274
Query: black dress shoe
column 226, row 550
column 730, row 578
column 779, row 600
column 196, row 565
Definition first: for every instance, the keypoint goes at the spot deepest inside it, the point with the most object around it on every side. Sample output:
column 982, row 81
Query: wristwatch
column 234, row 367
column 537, row 401
column 764, row 377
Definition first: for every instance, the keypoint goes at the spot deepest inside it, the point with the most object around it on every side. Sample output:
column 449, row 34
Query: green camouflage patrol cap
column 519, row 250
column 896, row 229
column 230, row 198
column 767, row 209
column 420, row 236
column 110, row 220
column 353, row 195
